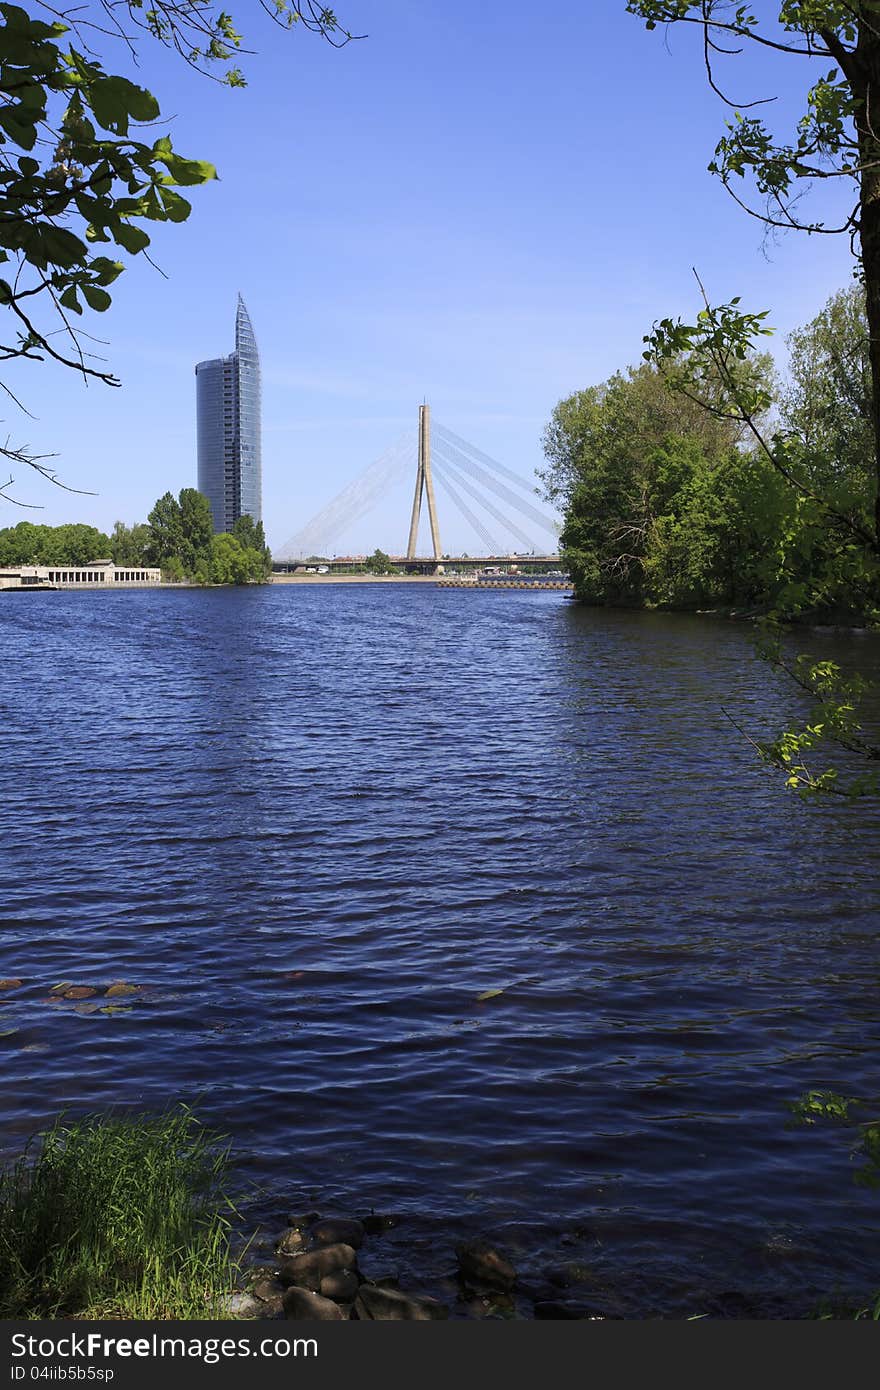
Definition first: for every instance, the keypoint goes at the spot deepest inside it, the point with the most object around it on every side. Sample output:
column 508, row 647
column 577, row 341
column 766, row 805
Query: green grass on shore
column 117, row 1217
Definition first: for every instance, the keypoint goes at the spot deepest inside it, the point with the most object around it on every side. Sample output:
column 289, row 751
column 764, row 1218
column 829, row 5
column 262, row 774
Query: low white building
column 100, row 574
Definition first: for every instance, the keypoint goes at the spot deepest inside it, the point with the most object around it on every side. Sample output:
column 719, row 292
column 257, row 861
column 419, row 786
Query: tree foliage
column 662, row 505
column 379, row 563
column 129, row 545
column 182, row 542
column 70, row 544
column 826, row 403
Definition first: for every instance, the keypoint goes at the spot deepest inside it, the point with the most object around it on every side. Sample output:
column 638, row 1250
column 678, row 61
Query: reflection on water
column 314, row 825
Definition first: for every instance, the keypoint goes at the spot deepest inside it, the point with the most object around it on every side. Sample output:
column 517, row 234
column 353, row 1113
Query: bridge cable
column 354, row 501
column 461, row 481
column 487, row 540
column 451, row 454
column 463, row 444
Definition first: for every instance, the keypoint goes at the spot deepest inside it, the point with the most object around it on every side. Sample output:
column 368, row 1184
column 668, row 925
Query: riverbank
column 441, row 581
column 353, row 579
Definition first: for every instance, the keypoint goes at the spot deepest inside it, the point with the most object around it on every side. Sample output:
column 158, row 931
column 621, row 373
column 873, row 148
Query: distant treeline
column 669, row 505
column 178, row 536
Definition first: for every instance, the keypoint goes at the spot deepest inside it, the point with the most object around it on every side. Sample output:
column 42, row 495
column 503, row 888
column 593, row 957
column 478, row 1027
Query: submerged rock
column 567, row 1275
column 495, row 1305
column 480, row 1263
column 302, row 1220
column 374, row 1224
column 390, row 1305
column 333, row 1230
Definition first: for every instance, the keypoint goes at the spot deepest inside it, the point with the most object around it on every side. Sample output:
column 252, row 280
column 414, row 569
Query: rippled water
column 316, row 823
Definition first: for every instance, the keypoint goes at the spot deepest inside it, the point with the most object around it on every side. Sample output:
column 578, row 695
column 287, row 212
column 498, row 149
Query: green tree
column 197, row 528
column 827, row 402
column 76, row 173
column 130, row 545
column 230, row 563
column 380, row 563
column 252, row 538
column 69, row 544
column 655, row 496
column 635, row 405
column 166, row 530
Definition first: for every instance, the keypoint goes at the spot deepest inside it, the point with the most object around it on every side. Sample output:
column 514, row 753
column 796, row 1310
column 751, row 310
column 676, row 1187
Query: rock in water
column 389, row 1305
column 342, row 1285
column 480, row 1263
column 305, row 1305
column 333, row 1230
column 307, row 1269
column 291, row 1241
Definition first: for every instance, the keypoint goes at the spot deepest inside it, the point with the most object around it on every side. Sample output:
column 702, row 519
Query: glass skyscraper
column 228, row 422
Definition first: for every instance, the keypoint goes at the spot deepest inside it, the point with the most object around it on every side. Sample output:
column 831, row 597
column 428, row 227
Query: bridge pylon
column 424, row 483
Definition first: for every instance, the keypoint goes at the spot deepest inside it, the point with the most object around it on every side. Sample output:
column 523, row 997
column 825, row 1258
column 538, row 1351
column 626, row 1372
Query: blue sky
column 483, row 206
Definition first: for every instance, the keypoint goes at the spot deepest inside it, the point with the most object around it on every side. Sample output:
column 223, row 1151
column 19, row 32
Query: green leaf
column 177, row 209
column 69, row 300
column 114, row 100
column 104, row 270
column 21, row 129
column 187, row 171
column 61, row 247
column 134, row 239
column 96, row 298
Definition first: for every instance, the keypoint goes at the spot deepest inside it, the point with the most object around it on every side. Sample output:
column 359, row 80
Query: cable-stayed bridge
column 497, row 511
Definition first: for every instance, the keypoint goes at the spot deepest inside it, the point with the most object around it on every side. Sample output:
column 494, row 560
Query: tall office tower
column 228, row 418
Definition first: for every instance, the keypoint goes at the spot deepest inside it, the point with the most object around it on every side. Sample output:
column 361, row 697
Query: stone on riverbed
column 480, row 1264
column 307, row 1306
column 307, row 1269
column 333, row 1230
column 390, row 1305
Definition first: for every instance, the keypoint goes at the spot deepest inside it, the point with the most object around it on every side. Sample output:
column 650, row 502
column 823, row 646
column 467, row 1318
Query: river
column 315, row 824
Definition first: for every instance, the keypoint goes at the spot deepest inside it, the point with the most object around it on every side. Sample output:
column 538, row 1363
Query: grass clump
column 117, row 1217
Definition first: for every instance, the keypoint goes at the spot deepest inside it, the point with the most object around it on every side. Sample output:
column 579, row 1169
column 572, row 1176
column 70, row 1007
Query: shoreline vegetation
column 178, row 538
column 115, row 1216
column 130, row 1217
column 670, row 503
